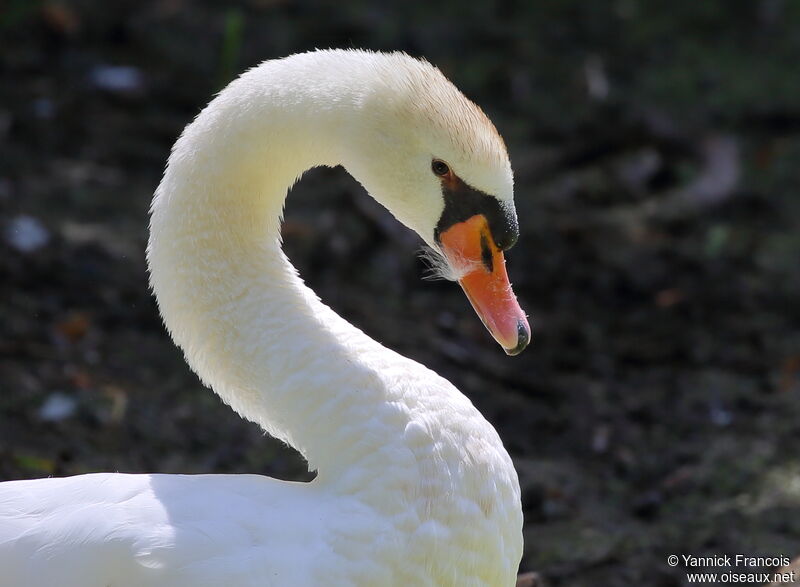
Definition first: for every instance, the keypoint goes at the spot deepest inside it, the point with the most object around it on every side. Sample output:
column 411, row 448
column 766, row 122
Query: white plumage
column 414, row 487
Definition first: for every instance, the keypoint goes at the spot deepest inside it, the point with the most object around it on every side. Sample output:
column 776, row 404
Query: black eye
column 439, row 167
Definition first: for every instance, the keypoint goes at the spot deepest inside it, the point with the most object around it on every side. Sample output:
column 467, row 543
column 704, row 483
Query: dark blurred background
column 656, row 146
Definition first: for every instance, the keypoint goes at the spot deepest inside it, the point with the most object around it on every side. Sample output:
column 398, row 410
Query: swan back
column 414, row 486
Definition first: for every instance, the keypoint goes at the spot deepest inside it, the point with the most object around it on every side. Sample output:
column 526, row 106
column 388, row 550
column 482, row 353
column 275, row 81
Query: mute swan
column 414, row 486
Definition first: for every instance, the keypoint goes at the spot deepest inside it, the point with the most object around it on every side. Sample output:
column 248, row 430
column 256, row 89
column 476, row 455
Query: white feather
column 414, row 485
column 440, row 267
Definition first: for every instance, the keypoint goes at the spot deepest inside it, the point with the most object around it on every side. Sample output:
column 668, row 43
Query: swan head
column 434, row 159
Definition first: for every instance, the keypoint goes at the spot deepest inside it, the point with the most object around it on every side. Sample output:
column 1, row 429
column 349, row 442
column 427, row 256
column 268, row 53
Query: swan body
column 414, row 486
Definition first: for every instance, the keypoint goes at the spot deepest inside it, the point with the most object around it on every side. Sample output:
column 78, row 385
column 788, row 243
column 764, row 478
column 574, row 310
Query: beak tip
column 523, row 338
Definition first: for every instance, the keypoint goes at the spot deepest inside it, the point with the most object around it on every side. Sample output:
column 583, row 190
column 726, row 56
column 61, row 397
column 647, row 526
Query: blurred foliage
column 231, row 46
column 656, row 147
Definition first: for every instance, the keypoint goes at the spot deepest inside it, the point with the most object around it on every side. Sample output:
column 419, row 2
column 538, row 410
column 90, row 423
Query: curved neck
column 372, row 422
column 248, row 326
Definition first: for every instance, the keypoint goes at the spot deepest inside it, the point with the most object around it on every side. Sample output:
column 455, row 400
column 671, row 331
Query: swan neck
column 230, row 298
column 378, row 427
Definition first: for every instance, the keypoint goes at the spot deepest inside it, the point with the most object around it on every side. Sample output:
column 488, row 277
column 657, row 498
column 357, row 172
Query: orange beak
column 470, row 244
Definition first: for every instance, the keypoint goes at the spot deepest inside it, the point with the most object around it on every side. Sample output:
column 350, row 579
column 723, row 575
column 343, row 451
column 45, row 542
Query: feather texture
column 414, row 486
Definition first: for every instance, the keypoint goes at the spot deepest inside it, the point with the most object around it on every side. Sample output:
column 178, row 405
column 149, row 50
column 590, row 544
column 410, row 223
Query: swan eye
column 440, row 168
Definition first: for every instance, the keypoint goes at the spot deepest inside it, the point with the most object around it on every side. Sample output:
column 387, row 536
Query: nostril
column 486, row 254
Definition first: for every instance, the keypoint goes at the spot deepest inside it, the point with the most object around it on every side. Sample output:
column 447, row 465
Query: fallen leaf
column 74, row 327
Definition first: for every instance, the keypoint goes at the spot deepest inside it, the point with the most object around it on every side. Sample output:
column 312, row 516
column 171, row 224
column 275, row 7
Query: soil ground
column 656, row 148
